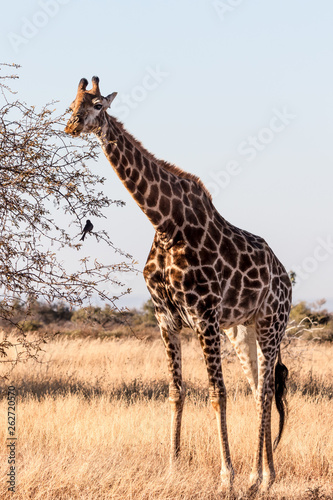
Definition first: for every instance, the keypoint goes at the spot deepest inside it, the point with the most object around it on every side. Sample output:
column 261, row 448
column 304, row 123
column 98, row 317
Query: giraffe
column 204, row 273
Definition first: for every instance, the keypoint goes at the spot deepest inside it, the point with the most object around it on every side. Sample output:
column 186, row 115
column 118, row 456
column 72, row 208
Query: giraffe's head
column 88, row 108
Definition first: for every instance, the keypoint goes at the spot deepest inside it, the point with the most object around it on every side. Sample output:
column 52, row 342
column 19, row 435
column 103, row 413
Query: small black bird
column 87, row 229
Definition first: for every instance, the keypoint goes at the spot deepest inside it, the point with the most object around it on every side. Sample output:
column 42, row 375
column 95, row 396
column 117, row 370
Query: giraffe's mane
column 164, row 164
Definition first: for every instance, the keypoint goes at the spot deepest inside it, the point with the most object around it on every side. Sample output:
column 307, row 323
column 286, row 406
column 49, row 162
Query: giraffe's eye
column 98, row 106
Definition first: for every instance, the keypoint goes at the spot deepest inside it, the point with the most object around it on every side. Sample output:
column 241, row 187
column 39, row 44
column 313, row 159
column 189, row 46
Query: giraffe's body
column 204, row 273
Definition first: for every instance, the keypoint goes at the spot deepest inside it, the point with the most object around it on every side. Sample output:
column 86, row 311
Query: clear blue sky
column 240, row 95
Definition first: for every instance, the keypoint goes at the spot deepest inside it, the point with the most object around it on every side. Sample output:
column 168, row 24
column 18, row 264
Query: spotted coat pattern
column 201, row 272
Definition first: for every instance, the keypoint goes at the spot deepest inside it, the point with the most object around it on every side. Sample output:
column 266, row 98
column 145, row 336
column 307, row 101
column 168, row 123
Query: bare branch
column 47, row 187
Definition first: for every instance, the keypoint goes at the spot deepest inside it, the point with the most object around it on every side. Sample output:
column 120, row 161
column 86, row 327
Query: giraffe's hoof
column 252, row 492
column 227, row 493
column 268, row 480
column 227, row 480
column 174, row 462
column 255, row 482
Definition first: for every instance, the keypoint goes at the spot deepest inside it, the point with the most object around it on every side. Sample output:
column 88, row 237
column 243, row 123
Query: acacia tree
column 46, row 193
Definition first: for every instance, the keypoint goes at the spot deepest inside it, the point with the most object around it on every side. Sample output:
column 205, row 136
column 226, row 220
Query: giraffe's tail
column 281, row 375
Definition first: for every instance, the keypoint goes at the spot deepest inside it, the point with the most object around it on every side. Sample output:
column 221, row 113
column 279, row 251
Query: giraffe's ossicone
column 204, row 273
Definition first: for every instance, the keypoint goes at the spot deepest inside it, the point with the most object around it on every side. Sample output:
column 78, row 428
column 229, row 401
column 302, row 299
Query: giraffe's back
column 218, row 269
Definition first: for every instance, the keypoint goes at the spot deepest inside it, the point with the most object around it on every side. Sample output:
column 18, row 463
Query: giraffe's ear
column 109, row 98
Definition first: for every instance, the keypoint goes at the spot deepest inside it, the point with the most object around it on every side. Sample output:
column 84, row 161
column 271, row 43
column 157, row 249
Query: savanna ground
column 93, row 423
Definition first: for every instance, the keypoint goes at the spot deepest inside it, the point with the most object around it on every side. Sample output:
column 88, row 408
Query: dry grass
column 93, row 423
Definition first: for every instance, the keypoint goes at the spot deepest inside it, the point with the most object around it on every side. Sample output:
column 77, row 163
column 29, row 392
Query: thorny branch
column 47, row 187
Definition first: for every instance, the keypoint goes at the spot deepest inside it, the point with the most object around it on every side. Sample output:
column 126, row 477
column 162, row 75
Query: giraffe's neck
column 160, row 189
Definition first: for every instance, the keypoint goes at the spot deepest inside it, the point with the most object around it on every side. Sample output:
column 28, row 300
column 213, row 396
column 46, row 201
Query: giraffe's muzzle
column 74, row 126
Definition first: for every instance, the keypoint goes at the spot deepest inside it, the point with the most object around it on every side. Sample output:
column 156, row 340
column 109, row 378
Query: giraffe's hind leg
column 263, row 466
column 257, row 361
column 243, row 340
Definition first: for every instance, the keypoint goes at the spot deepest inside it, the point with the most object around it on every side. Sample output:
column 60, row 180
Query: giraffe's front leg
column 210, row 341
column 172, row 344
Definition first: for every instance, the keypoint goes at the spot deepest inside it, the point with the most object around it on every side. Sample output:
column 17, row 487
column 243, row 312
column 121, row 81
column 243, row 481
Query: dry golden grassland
column 93, row 423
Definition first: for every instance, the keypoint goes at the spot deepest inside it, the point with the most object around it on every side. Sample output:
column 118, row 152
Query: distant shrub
column 145, row 316
column 311, row 322
column 29, row 326
column 149, row 312
column 52, row 313
column 110, row 318
column 101, row 316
